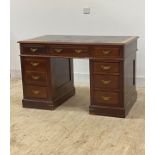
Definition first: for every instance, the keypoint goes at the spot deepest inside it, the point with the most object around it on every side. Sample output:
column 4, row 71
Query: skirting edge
column 107, row 111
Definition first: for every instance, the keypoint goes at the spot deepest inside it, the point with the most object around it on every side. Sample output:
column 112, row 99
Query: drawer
column 69, row 51
column 35, row 64
column 36, row 92
column 31, row 77
column 106, row 98
column 106, row 52
column 33, row 49
column 106, row 82
column 99, row 67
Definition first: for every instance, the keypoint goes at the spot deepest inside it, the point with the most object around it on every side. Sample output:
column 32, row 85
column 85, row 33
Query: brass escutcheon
column 34, row 64
column 36, row 92
column 105, row 98
column 105, row 67
column 105, row 82
column 33, row 49
column 58, row 50
column 35, row 77
column 105, row 52
column 78, row 51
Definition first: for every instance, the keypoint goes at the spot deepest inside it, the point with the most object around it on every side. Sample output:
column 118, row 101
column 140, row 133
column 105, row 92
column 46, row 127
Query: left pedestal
column 47, row 82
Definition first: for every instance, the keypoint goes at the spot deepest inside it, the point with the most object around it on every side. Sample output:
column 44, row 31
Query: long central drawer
column 69, row 51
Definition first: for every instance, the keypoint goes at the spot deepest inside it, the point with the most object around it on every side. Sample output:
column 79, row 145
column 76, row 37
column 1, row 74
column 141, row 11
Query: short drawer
column 106, row 82
column 99, row 67
column 36, row 92
column 35, row 64
column 69, row 51
column 33, row 49
column 106, row 98
column 106, row 52
column 31, row 77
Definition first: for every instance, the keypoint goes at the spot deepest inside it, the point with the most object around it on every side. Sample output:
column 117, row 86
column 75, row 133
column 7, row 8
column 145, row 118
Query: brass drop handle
column 105, row 67
column 33, row 50
column 58, row 50
column 34, row 64
column 78, row 51
column 35, row 77
column 105, row 52
column 36, row 92
column 105, row 98
column 105, row 82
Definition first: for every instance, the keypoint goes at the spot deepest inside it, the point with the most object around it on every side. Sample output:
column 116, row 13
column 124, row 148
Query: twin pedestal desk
column 47, row 71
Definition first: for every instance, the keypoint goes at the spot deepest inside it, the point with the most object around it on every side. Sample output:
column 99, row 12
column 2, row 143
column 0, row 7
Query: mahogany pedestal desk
column 47, row 71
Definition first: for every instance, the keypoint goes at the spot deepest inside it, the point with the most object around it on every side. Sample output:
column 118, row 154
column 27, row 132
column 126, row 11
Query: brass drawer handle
column 106, row 52
column 105, row 67
column 34, row 64
column 105, row 82
column 78, row 51
column 35, row 77
column 36, row 92
column 105, row 98
column 58, row 50
column 33, row 50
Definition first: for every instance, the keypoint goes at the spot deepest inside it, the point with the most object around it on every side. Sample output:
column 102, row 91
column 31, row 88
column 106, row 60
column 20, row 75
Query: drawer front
column 35, row 64
column 36, row 92
column 106, row 98
column 31, row 77
column 99, row 67
column 33, row 49
column 106, row 52
column 106, row 82
column 69, row 52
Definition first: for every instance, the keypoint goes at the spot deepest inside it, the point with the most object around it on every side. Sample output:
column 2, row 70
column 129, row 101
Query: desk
column 47, row 71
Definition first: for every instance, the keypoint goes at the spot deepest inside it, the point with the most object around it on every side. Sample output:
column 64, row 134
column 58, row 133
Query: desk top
column 92, row 40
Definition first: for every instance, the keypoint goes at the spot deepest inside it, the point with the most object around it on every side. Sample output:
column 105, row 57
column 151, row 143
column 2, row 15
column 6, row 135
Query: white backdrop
column 31, row 18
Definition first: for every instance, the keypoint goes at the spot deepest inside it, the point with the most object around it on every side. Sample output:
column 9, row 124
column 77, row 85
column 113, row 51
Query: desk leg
column 50, row 92
column 106, row 99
